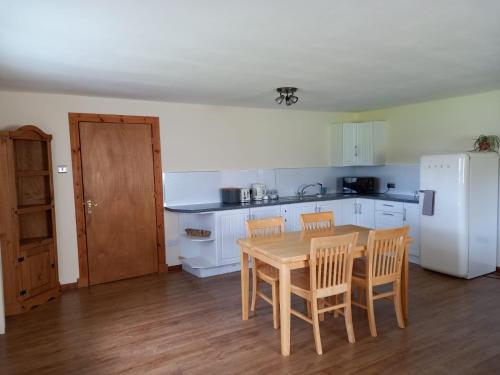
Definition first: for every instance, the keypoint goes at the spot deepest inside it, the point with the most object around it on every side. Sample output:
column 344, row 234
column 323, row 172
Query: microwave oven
column 359, row 185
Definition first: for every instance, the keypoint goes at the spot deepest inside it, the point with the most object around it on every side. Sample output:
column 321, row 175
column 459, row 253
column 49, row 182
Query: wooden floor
column 179, row 324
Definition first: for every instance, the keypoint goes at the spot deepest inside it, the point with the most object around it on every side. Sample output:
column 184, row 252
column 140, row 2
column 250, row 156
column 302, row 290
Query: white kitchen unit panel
column 389, row 206
column 364, row 144
column 292, row 212
column 366, row 213
column 411, row 217
column 358, row 211
column 334, row 206
column 357, row 144
column 231, row 226
column 349, row 212
column 384, row 219
column 264, row 212
column 349, row 144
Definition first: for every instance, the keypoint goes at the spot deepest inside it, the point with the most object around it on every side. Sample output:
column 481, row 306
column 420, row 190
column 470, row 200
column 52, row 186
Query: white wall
column 193, row 137
column 439, row 126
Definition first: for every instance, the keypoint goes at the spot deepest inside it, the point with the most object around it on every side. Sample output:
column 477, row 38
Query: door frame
column 76, row 158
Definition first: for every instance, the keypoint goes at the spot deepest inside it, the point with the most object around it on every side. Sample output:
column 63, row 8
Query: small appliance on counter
column 359, row 185
column 235, row 195
column 245, row 195
column 272, row 194
column 258, row 191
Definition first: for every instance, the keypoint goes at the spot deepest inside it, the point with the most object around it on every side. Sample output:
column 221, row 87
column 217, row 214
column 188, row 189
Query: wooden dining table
column 290, row 250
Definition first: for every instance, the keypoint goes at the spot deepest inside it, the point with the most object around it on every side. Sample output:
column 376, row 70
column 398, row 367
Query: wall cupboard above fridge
column 357, row 143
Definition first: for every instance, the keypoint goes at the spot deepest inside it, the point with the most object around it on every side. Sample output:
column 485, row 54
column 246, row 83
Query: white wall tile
column 406, row 177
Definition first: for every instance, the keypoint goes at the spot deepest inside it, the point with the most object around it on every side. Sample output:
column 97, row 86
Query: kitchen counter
column 219, row 206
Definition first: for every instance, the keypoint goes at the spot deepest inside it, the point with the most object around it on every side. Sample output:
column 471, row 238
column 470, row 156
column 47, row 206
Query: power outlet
column 391, row 185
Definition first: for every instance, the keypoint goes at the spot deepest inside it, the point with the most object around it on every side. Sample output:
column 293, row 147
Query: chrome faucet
column 301, row 192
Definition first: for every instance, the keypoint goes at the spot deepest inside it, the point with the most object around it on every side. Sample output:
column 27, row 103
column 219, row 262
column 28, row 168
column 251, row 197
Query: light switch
column 62, row 169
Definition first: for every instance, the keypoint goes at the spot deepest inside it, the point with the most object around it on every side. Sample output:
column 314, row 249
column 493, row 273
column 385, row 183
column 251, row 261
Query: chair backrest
column 265, row 227
column 317, row 221
column 385, row 254
column 330, row 264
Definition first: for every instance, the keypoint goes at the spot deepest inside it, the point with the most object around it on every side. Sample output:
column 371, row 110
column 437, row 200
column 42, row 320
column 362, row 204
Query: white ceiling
column 346, row 55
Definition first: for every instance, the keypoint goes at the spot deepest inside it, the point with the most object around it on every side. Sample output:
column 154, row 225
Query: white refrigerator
column 460, row 237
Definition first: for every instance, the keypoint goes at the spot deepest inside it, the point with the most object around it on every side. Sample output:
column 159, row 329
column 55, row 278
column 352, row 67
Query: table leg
column 285, row 305
column 244, row 284
column 404, row 283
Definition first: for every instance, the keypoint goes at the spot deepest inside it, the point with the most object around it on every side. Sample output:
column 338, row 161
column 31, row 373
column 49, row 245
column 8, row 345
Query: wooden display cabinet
column 27, row 219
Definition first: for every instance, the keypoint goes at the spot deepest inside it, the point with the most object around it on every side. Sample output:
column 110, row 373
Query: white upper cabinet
column 357, row 143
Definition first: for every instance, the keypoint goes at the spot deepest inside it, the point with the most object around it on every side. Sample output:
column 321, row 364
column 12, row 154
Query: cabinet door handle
column 356, row 150
column 360, row 208
column 404, row 214
column 355, row 208
column 387, row 214
column 388, row 205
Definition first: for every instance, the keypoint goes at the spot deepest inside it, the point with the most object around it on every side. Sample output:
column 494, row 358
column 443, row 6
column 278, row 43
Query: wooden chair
column 330, row 272
column 264, row 272
column 317, row 221
column 383, row 264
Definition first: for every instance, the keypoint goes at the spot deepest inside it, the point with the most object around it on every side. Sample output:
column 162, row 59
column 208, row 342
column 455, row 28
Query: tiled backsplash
column 202, row 187
column 406, row 177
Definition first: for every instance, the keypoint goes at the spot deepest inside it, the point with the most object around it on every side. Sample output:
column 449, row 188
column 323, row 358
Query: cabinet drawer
column 389, row 206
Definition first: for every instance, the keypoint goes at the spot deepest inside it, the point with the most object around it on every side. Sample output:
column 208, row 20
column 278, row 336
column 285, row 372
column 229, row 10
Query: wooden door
column 119, row 200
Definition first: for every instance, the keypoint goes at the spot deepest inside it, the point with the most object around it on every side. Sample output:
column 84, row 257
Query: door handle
column 89, row 205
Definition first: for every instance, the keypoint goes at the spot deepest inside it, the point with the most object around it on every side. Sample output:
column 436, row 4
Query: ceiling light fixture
column 287, row 94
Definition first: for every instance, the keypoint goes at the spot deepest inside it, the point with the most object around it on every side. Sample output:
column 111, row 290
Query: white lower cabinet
column 388, row 219
column 366, row 213
column 292, row 212
column 358, row 211
column 231, row 226
column 264, row 212
column 334, row 206
column 349, row 212
column 393, row 214
column 220, row 253
column 411, row 217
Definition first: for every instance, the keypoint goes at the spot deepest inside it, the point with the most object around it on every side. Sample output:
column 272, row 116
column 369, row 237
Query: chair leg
column 371, row 311
column 254, row 286
column 398, row 305
column 276, row 308
column 315, row 319
column 321, row 304
column 348, row 319
column 308, row 306
column 336, row 302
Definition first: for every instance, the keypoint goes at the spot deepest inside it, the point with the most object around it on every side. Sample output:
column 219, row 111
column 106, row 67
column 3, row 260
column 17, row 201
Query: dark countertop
column 219, row 206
